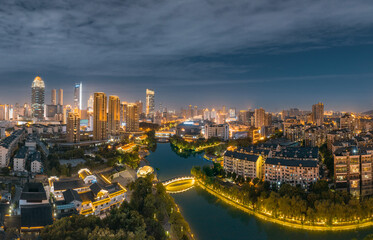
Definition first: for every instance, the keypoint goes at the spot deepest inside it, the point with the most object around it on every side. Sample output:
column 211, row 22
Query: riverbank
column 296, row 225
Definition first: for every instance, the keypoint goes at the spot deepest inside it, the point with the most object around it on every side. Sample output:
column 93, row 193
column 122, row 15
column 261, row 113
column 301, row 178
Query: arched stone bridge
column 179, row 184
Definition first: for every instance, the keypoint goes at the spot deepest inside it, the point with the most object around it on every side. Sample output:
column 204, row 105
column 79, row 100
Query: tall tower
column 37, row 98
column 60, row 97
column 73, row 127
column 114, row 115
column 54, row 97
column 132, row 118
column 90, row 104
column 259, row 116
column 149, row 102
column 100, row 116
column 78, row 96
column 318, row 114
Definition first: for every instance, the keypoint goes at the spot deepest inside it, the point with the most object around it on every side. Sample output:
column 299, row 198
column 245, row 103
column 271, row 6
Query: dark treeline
column 180, row 143
column 150, row 141
column 318, row 205
column 144, row 218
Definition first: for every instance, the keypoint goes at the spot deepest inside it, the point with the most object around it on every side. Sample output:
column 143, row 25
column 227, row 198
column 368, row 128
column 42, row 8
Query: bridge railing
column 165, row 183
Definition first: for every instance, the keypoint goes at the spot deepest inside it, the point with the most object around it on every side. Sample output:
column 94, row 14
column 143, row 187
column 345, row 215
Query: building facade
column 132, row 118
column 37, row 98
column 217, row 130
column 100, row 116
column 73, row 127
column 150, row 107
column 114, row 115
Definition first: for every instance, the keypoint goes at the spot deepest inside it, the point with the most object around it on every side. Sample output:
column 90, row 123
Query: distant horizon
column 86, row 95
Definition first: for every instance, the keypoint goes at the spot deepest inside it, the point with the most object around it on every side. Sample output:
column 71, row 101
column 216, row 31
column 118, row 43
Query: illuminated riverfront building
column 100, row 116
column 291, row 171
column 114, row 115
column 244, row 164
column 132, row 118
column 73, row 127
column 90, row 194
column 78, row 96
column 353, row 170
column 37, row 98
column 150, row 107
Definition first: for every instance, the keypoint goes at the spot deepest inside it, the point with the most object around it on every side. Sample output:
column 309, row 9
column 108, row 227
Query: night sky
column 271, row 54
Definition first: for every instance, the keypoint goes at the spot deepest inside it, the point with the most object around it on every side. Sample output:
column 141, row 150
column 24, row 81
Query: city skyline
column 273, row 59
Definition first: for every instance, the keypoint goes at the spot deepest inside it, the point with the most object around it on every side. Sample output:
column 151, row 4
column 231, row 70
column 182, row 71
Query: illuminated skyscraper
column 78, row 96
column 114, row 115
column 73, row 127
column 100, row 116
column 139, row 106
column 132, row 118
column 37, row 98
column 90, row 104
column 54, row 97
column 318, row 114
column 149, row 102
column 259, row 116
column 60, row 97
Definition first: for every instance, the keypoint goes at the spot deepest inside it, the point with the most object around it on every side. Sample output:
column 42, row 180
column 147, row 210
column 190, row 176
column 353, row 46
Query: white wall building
column 217, row 130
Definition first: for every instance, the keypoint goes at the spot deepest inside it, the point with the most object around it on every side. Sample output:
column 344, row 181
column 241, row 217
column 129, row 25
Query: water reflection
column 211, row 218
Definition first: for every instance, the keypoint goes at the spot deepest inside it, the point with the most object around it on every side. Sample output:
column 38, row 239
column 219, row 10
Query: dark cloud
column 141, row 43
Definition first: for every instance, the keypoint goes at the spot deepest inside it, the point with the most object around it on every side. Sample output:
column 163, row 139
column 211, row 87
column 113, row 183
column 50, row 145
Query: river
column 211, row 219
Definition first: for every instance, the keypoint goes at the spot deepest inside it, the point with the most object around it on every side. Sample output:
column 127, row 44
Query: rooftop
column 291, row 162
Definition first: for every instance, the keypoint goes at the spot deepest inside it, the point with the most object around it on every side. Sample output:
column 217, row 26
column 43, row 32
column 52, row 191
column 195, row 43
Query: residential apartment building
column 291, row 171
column 19, row 160
column 217, row 130
column 8, row 145
column 243, row 164
column 353, row 170
column 276, row 163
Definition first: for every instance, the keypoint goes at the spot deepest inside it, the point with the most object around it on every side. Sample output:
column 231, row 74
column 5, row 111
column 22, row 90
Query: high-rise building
column 3, row 110
column 318, row 114
column 259, row 116
column 217, row 130
column 27, row 110
column 139, row 106
column 132, row 118
column 189, row 112
column 73, row 127
column 54, row 97
column 114, row 115
column 90, row 104
column 123, row 113
column 150, row 102
column 37, row 98
column 195, row 111
column 60, row 97
column 232, row 112
column 78, row 96
column 213, row 115
column 206, row 114
column 100, row 116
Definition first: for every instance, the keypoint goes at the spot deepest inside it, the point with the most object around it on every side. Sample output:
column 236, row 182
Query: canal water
column 212, row 219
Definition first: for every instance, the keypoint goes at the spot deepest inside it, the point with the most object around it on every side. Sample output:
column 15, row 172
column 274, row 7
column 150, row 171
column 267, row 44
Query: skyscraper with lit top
column 150, row 107
column 37, row 98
